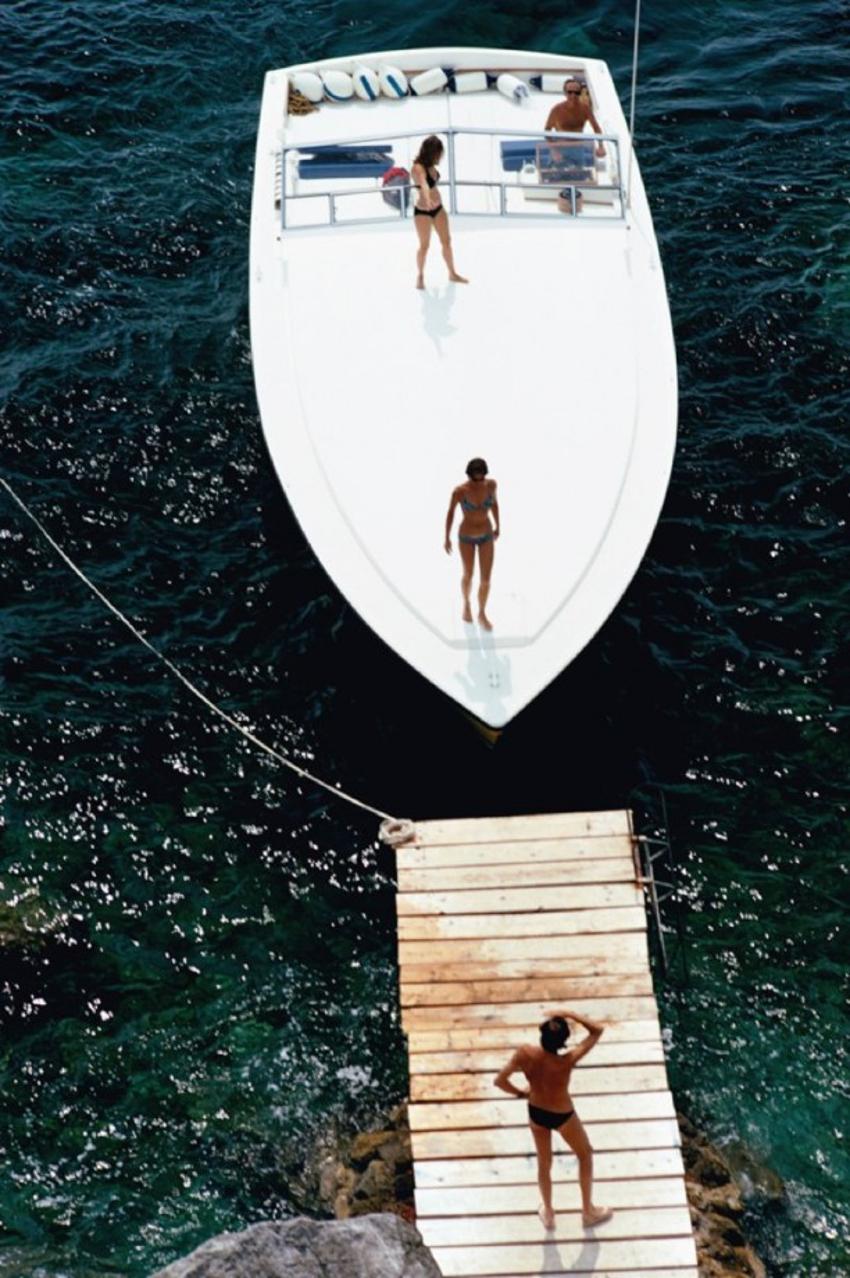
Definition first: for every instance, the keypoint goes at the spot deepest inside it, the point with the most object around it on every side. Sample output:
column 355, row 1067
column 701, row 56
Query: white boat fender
column 393, row 82
column 512, row 87
column 468, row 82
column 551, row 83
column 310, row 84
column 339, row 86
column 428, row 82
column 366, row 84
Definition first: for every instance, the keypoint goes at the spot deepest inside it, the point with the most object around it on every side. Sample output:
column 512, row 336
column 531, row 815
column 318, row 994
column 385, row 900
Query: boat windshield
column 484, row 172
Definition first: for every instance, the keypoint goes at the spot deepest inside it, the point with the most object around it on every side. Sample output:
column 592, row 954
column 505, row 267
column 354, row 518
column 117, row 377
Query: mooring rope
column 393, row 830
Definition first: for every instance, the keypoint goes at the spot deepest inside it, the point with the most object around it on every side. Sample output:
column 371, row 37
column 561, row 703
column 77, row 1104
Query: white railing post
column 452, row 189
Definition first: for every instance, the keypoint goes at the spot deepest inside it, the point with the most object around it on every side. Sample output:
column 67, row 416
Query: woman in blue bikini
column 547, row 1069
column 477, row 500
column 428, row 212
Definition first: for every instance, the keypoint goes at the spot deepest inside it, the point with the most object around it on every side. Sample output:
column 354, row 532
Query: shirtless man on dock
column 571, row 115
column 548, row 1069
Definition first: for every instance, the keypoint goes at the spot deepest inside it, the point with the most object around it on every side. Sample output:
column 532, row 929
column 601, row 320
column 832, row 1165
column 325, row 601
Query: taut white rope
column 391, row 824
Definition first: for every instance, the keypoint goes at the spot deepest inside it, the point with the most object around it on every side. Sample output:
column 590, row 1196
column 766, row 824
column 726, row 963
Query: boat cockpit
column 349, row 161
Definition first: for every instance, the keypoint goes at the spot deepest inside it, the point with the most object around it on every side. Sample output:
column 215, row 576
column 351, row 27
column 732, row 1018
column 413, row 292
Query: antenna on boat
column 632, row 107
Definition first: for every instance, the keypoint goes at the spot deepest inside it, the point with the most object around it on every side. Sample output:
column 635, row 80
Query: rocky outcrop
column 373, row 1174
column 368, row 1186
column 717, row 1207
column 369, row 1247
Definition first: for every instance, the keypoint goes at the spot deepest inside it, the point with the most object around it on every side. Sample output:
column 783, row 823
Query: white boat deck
column 555, row 363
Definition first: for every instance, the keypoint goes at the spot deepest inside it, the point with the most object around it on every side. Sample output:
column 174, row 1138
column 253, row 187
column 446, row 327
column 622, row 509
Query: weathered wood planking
column 547, row 825
column 464, row 1038
column 648, row 1222
column 582, row 971
column 660, row 1133
column 628, row 953
column 521, row 1169
column 523, row 851
column 491, row 1059
column 516, row 990
column 590, row 1255
column 564, row 922
column 521, row 900
column 619, row 869
column 526, row 1014
column 666, row 1191
column 502, row 920
column 429, row 1086
column 620, row 1107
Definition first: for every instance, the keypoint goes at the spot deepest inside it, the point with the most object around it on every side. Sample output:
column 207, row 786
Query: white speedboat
column 556, row 363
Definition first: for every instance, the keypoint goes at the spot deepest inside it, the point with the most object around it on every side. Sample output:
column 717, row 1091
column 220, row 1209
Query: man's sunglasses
column 573, row 93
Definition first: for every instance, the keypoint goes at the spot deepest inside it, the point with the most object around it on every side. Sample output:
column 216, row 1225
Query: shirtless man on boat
column 548, row 1069
column 571, row 115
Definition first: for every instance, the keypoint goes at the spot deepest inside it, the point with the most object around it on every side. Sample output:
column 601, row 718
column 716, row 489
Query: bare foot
column 420, row 282
column 467, row 613
column 547, row 1216
column 484, row 622
column 458, row 279
column 595, row 1216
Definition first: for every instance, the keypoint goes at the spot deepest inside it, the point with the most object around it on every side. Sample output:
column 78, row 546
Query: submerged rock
column 755, row 1178
column 382, row 1246
column 717, row 1209
column 25, row 921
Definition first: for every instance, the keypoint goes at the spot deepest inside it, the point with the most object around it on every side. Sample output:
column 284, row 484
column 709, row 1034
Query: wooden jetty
column 499, row 921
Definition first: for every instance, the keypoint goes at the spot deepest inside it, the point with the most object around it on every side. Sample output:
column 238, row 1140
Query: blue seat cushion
column 353, row 150
column 366, row 166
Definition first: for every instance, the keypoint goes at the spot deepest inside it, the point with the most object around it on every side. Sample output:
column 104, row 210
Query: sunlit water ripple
column 216, row 990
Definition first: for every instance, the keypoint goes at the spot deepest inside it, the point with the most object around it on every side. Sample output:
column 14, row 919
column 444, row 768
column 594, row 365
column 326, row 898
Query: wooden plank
column 679, row 1272
column 647, row 1222
column 584, row 968
column 546, row 923
column 489, row 1060
column 659, row 1191
column 521, row 1169
column 590, row 1255
column 576, row 848
column 585, row 896
column 659, row 1133
column 500, row 920
column 506, row 1036
column 625, row 952
column 544, row 825
column 526, row 1014
column 619, row 869
column 554, row 988
column 429, row 1087
column 611, row 1107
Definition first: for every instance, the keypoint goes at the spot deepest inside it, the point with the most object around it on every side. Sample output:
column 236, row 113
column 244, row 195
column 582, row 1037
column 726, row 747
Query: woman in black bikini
column 551, row 1110
column 477, row 499
column 428, row 211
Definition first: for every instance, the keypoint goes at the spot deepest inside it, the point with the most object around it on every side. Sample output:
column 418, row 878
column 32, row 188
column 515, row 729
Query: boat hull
column 556, row 363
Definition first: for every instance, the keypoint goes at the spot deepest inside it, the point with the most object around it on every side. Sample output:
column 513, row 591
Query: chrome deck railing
column 452, row 182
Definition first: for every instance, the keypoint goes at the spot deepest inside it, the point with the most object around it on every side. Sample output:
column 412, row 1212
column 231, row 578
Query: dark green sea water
column 214, row 990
